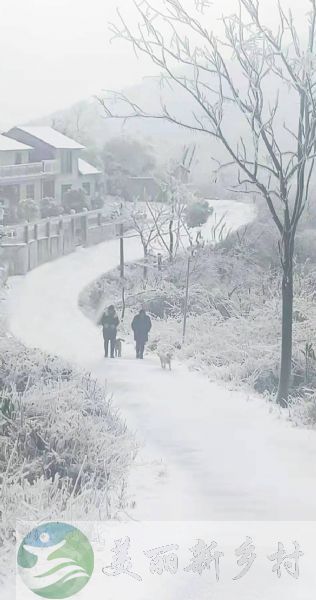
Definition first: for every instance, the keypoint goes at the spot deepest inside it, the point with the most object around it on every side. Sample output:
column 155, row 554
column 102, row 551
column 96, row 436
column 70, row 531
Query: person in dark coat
column 110, row 323
column 141, row 325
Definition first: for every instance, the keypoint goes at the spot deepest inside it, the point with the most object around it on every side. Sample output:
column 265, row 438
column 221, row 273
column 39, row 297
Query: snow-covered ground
column 208, row 453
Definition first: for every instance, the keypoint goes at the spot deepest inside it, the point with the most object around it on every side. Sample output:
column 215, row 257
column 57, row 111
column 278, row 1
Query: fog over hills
column 87, row 121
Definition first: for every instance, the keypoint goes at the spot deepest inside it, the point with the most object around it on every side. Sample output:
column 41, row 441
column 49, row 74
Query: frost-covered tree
column 177, row 195
column 28, row 210
column 274, row 155
column 149, row 225
column 75, row 200
column 197, row 213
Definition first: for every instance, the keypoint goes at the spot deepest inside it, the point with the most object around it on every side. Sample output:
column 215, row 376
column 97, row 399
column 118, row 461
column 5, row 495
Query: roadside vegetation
column 273, row 156
column 233, row 329
column 64, row 450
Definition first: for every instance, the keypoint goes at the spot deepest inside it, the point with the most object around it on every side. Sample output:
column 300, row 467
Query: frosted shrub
column 64, row 450
column 75, row 200
column 310, row 407
column 50, row 207
column 68, row 429
column 27, row 210
column 21, row 367
column 303, row 411
column 197, row 213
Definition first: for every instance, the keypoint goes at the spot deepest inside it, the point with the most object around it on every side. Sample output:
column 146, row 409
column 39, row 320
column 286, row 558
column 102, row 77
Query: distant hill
column 86, row 122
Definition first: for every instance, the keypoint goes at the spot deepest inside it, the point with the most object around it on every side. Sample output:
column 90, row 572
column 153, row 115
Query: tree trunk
column 145, row 271
column 122, row 251
column 123, row 304
column 185, row 315
column 171, row 241
column 287, row 325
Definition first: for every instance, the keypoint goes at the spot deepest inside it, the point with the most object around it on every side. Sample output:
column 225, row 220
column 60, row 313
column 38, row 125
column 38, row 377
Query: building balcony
column 29, row 170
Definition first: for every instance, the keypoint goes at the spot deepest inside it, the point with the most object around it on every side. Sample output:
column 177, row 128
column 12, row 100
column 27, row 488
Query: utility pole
column 122, row 267
column 122, row 250
column 159, row 261
column 123, row 303
column 186, row 301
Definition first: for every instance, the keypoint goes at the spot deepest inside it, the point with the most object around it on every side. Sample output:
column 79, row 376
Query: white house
column 19, row 177
column 40, row 162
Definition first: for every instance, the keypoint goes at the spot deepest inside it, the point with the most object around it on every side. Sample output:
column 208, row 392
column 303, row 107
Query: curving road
column 208, row 453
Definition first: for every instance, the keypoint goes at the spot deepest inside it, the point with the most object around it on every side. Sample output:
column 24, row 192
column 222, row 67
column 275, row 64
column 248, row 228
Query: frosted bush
column 64, row 450
column 66, row 429
column 303, row 410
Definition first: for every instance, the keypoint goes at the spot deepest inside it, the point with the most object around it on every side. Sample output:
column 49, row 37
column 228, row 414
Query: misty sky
column 56, row 52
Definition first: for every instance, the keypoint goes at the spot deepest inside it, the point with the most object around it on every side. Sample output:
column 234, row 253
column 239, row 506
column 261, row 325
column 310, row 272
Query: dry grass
column 64, row 450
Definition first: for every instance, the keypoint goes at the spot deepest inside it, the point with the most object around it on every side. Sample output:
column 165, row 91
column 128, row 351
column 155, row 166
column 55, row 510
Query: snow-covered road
column 208, row 453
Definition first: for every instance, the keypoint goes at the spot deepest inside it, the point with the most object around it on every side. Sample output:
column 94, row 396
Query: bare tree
column 149, row 227
column 176, row 196
column 267, row 62
column 73, row 123
column 171, row 217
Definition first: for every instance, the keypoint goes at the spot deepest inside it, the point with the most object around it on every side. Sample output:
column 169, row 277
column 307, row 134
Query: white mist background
column 57, row 52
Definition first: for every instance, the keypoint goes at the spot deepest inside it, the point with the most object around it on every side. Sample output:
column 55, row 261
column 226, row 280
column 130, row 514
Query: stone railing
column 27, row 246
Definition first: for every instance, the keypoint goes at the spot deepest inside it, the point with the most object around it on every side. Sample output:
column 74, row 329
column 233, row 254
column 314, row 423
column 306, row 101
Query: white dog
column 165, row 359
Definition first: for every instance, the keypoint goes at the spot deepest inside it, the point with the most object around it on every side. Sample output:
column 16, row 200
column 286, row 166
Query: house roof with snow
column 7, row 144
column 53, row 138
column 86, row 169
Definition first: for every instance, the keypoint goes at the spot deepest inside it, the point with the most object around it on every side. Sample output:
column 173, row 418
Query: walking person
column 141, row 325
column 110, row 323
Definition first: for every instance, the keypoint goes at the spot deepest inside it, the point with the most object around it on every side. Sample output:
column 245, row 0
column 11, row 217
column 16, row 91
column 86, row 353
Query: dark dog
column 118, row 347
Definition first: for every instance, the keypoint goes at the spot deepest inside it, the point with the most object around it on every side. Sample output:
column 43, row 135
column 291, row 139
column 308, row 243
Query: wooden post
column 122, row 250
column 26, row 240
column 61, row 235
column 48, row 232
column 123, row 304
column 73, row 227
column 186, row 301
column 159, row 261
column 26, row 233
column 61, row 224
column 85, row 226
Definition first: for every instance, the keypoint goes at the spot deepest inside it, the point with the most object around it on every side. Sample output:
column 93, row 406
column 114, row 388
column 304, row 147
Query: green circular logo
column 55, row 560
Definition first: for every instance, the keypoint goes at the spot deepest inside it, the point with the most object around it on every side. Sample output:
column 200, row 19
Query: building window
column 49, row 188
column 65, row 188
column 18, row 158
column 87, row 188
column 66, row 161
column 9, row 194
column 30, row 191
